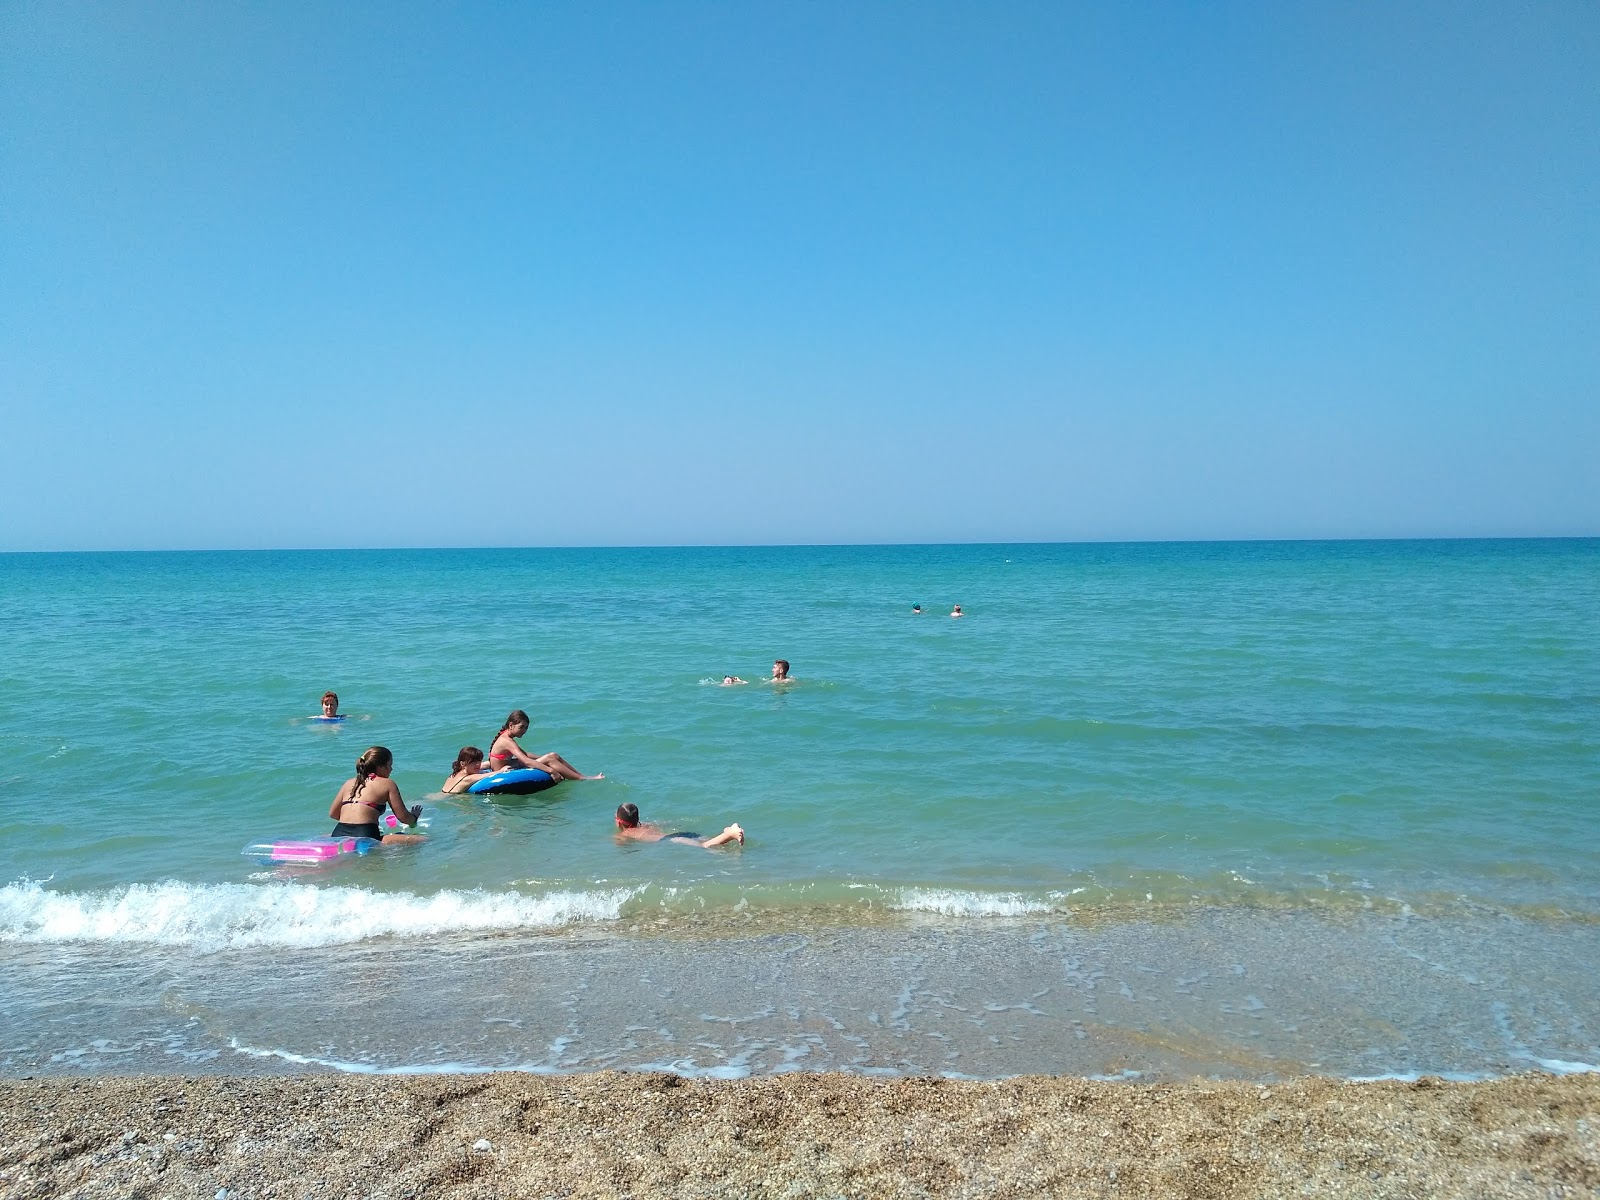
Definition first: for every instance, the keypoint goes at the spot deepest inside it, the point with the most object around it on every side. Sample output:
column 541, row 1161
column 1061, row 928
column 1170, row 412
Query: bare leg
column 731, row 834
column 554, row 764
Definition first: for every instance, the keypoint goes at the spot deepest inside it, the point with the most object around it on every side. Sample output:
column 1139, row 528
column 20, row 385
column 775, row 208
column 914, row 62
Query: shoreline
column 648, row 1134
column 1220, row 995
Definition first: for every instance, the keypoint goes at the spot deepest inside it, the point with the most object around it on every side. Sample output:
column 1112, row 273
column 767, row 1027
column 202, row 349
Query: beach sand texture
column 612, row 1134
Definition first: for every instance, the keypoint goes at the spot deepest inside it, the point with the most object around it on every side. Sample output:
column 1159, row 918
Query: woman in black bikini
column 361, row 801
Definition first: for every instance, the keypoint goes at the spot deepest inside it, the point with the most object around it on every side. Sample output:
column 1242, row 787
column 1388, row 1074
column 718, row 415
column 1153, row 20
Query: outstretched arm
column 518, row 754
column 731, row 834
column 406, row 816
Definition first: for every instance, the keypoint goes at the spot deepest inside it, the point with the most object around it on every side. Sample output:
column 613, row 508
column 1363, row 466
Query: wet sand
column 611, row 1134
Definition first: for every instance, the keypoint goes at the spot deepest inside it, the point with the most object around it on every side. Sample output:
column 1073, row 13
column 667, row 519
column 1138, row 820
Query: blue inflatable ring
column 522, row 782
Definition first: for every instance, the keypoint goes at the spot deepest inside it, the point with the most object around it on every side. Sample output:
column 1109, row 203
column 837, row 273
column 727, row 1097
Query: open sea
column 1145, row 811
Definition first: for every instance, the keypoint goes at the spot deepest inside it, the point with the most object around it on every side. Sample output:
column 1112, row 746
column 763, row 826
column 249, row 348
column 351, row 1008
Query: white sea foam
column 233, row 915
column 969, row 904
column 1560, row 1066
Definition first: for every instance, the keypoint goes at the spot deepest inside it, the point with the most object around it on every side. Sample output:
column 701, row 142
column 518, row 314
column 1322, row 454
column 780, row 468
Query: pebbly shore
column 611, row 1134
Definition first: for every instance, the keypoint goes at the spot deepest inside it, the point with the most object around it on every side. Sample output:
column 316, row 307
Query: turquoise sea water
column 1113, row 734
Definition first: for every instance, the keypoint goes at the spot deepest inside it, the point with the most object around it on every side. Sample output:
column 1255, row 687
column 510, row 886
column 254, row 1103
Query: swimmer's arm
column 338, row 803
column 518, row 754
column 406, row 816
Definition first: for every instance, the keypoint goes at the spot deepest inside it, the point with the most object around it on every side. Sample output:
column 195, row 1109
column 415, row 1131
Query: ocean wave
column 951, row 903
column 231, row 916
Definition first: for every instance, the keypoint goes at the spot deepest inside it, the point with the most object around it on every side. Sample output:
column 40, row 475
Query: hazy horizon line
column 1192, row 541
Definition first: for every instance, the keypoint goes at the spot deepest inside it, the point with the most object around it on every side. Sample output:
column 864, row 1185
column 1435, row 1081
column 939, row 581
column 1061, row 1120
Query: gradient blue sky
column 349, row 274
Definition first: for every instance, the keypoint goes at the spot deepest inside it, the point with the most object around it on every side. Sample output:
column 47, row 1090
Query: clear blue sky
column 349, row 274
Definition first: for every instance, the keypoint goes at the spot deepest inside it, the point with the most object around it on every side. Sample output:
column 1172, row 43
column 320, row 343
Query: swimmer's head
column 470, row 759
column 627, row 816
column 516, row 724
column 330, row 704
column 916, row 608
column 780, row 669
column 376, row 758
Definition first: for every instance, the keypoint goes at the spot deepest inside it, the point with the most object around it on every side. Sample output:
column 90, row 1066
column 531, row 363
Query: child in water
column 467, row 769
column 359, row 802
column 630, row 829
column 506, row 755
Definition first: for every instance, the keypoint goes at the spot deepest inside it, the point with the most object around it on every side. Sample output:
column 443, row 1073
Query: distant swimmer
column 630, row 829
column 330, row 707
column 467, row 769
column 506, row 755
column 956, row 611
column 360, row 801
column 917, row 608
column 731, row 680
column 780, row 672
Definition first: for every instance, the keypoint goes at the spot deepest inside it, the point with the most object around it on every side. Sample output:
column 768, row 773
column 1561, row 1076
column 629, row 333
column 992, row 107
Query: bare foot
column 602, row 775
column 736, row 831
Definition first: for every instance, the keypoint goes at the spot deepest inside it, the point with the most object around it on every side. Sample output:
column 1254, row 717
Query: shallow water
column 1375, row 731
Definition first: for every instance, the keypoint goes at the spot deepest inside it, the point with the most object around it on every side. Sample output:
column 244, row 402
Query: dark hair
column 517, row 717
column 628, row 815
column 469, row 754
column 784, row 663
column 376, row 758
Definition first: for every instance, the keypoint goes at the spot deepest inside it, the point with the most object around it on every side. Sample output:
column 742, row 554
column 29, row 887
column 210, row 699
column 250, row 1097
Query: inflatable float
column 308, row 850
column 318, row 849
column 522, row 782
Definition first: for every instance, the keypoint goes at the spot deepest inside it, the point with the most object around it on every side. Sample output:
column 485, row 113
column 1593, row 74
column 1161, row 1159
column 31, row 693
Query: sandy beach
column 611, row 1134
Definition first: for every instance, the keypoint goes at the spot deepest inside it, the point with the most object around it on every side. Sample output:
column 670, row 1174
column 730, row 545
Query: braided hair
column 517, row 717
column 375, row 759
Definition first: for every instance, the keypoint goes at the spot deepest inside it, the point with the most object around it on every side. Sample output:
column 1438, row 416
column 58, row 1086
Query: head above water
column 780, row 669
column 330, row 704
column 516, row 724
column 627, row 816
column 469, row 759
column 377, row 759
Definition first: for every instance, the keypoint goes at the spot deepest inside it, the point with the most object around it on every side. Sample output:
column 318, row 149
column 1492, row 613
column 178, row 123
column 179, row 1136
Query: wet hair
column 628, row 815
column 784, row 663
column 517, row 717
column 334, row 696
column 468, row 754
column 375, row 759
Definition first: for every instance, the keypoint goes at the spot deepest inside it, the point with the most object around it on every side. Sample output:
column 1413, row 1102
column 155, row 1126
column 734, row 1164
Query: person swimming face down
column 629, row 826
